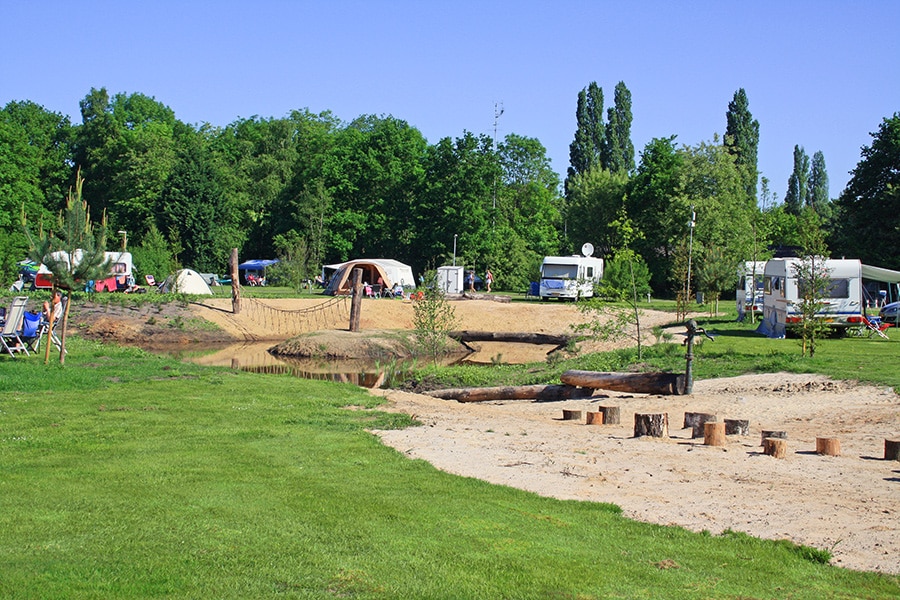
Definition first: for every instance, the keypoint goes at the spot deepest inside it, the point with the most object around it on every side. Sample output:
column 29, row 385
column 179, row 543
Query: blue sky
column 819, row 74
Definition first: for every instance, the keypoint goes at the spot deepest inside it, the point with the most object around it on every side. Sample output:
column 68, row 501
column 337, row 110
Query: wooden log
column 891, row 449
column 828, row 446
column 594, row 418
column 571, row 415
column 737, row 427
column 509, row 337
column 653, row 424
column 543, row 393
column 776, row 447
column 713, row 433
column 768, row 433
column 610, row 415
column 696, row 421
column 640, row 383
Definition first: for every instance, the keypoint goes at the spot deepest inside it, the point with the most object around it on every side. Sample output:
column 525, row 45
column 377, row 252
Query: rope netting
column 287, row 323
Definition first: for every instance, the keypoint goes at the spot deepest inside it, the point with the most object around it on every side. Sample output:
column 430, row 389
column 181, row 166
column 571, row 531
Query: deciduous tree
column 742, row 140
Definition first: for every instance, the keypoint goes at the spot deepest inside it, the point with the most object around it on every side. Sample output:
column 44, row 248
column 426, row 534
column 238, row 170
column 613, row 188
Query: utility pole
column 498, row 112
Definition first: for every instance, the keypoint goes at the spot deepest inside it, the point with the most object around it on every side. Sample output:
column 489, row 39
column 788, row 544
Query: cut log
column 696, row 421
column 654, row 425
column 776, row 447
column 768, row 433
column 737, row 427
column 510, row 337
column 594, row 418
column 714, row 434
column 544, row 393
column 610, row 414
column 571, row 415
column 828, row 446
column 891, row 449
column 640, row 383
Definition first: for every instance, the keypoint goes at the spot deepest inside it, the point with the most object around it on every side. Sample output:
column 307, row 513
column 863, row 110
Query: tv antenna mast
column 498, row 112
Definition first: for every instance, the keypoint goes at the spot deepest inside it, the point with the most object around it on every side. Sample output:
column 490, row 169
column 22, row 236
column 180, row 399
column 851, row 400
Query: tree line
column 313, row 189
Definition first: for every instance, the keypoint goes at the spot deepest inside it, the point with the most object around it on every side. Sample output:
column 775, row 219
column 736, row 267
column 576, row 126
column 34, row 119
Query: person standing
column 472, row 281
column 488, row 280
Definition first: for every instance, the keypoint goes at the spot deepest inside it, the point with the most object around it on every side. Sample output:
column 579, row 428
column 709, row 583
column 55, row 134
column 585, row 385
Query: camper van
column 749, row 293
column 569, row 277
column 121, row 267
column 842, row 298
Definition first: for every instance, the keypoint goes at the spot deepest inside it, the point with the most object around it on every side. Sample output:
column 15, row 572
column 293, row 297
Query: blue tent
column 257, row 264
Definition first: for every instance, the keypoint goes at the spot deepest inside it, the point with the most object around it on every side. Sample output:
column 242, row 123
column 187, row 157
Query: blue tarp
column 257, row 264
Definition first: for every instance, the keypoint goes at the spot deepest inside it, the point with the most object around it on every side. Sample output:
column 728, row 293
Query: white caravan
column 842, row 298
column 571, row 277
column 749, row 294
column 450, row 279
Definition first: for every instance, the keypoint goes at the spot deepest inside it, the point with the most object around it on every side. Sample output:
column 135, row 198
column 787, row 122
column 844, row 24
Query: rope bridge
column 289, row 323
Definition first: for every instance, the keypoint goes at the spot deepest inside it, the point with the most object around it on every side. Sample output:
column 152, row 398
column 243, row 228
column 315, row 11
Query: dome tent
column 185, row 281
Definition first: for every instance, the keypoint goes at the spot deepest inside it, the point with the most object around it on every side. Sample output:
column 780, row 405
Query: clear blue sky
column 819, row 74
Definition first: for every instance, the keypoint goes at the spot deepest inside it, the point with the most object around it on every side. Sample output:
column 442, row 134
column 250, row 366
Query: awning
column 257, row 264
column 880, row 274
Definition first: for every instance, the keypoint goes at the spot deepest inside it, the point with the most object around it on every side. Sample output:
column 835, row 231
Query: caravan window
column 560, row 271
column 767, row 286
column 834, row 288
column 590, row 272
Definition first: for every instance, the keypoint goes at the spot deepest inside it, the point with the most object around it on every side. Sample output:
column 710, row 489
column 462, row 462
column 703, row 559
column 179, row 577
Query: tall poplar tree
column 742, row 140
column 590, row 134
column 618, row 151
column 795, row 198
column 817, row 198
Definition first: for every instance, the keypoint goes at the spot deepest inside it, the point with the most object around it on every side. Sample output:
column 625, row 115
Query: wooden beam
column 639, row 383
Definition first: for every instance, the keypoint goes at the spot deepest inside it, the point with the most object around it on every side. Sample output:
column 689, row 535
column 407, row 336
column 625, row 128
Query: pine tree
column 742, row 140
column 795, row 198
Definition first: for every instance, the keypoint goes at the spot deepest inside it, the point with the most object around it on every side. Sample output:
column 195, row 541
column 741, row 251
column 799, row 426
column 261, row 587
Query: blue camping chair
column 10, row 336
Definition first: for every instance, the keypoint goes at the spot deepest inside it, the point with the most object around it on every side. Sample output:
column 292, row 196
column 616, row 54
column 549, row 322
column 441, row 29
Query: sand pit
column 846, row 504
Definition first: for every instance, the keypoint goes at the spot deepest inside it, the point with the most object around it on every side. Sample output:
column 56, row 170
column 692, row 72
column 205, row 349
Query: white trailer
column 842, row 304
column 570, row 277
column 749, row 295
column 450, row 279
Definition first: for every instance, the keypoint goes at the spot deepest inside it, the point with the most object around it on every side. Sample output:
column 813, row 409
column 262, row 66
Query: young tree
column 742, row 140
column 812, row 281
column 795, row 198
column 74, row 252
column 715, row 274
column 433, row 318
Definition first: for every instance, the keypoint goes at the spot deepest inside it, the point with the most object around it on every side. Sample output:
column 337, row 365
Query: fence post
column 235, row 282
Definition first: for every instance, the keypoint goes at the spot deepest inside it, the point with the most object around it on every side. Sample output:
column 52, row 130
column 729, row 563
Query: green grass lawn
column 126, row 475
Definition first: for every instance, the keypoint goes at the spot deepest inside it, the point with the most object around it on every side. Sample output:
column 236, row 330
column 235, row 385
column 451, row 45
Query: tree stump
column 713, row 433
column 891, row 449
column 737, row 427
column 776, row 447
column 654, row 425
column 610, row 414
column 594, row 418
column 571, row 415
column 767, row 433
column 828, row 446
column 696, row 421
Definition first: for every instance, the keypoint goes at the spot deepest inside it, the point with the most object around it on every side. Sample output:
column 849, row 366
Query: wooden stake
column 571, row 415
column 737, row 427
column 828, row 446
column 594, row 418
column 356, row 300
column 776, row 447
column 714, row 434
column 696, row 422
column 654, row 425
column 768, row 433
column 610, row 414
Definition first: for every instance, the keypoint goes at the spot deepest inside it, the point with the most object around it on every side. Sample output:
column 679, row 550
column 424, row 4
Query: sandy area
column 847, row 504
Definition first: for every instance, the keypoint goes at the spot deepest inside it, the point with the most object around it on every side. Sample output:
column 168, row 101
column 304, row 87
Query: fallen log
column 543, row 393
column 509, row 337
column 666, row 384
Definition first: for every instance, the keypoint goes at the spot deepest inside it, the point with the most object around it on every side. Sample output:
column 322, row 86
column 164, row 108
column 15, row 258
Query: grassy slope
column 126, row 475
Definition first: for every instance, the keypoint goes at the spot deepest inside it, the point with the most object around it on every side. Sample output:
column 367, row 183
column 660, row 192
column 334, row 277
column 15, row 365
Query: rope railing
column 287, row 323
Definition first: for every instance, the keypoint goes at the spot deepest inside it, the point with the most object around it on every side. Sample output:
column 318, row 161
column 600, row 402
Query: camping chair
column 45, row 329
column 874, row 326
column 9, row 337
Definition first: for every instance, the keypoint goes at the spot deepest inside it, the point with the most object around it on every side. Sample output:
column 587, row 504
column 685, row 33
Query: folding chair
column 12, row 327
column 875, row 326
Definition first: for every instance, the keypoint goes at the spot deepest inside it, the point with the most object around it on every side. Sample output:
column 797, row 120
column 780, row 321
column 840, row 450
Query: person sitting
column 397, row 291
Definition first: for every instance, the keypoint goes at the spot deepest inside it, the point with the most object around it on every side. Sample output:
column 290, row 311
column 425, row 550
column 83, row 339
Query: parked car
column 890, row 313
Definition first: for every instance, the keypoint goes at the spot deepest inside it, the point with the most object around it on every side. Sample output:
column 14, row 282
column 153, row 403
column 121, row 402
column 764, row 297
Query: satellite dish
column 587, row 249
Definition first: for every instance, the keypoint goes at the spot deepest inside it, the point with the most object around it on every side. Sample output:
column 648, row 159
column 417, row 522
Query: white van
column 749, row 295
column 570, row 277
column 842, row 298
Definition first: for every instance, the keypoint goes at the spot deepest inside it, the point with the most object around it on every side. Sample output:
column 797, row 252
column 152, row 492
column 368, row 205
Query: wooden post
column 713, row 433
column 235, row 282
column 737, row 426
column 828, row 446
column 594, row 418
column 696, row 422
column 610, row 414
column 776, row 447
column 891, row 449
column 571, row 415
column 768, row 433
column 355, row 299
column 654, row 425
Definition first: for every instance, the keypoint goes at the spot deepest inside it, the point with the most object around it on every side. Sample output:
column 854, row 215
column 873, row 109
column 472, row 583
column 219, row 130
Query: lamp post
column 687, row 283
column 454, row 249
column 124, row 235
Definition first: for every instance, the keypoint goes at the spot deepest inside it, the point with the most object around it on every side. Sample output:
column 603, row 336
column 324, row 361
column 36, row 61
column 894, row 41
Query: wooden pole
column 235, row 282
column 356, row 299
column 640, row 383
column 713, row 433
